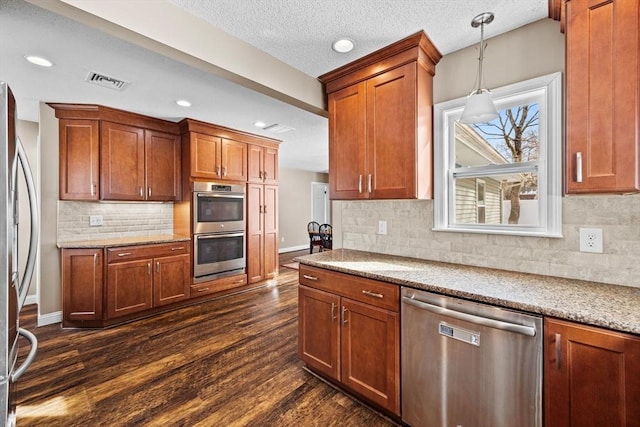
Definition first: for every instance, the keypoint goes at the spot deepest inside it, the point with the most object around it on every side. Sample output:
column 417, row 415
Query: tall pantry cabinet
column 380, row 123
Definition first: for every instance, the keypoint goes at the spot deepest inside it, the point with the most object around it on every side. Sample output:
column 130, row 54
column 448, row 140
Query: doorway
column 320, row 211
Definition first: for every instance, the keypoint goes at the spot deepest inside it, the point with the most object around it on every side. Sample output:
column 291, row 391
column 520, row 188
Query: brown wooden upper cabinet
column 217, row 158
column 138, row 164
column 380, row 123
column 108, row 154
column 263, row 164
column 79, row 146
column 603, row 96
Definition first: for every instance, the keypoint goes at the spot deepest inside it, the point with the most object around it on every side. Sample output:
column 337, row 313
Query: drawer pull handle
column 125, row 254
column 333, row 311
column 178, row 249
column 238, row 282
column 579, row 166
column 344, row 315
column 372, row 294
column 202, row 290
column 306, row 276
column 558, row 351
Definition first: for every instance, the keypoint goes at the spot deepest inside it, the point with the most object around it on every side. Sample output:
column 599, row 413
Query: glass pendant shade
column 479, row 108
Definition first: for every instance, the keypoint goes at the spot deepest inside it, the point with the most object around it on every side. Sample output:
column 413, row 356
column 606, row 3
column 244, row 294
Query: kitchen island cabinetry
column 592, row 376
column 349, row 329
column 82, row 285
column 380, row 123
column 603, row 96
column 79, row 159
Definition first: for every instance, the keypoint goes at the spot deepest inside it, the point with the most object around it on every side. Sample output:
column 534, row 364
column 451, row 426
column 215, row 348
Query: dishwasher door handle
column 483, row 321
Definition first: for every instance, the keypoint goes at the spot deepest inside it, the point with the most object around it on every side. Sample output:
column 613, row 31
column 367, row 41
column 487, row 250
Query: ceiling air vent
column 106, row 81
column 276, row 128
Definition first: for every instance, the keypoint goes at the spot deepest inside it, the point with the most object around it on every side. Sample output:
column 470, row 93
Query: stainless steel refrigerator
column 13, row 287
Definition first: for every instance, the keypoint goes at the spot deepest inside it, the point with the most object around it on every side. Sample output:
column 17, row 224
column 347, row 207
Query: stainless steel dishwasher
column 466, row 364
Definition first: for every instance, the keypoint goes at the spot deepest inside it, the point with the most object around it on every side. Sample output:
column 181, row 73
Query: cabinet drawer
column 219, row 285
column 373, row 292
column 128, row 253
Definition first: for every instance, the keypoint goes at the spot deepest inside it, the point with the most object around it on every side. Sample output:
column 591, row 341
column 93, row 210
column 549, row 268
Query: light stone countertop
column 124, row 241
column 598, row 304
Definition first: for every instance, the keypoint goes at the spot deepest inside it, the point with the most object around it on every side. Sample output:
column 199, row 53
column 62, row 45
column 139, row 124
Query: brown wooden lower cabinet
column 82, row 285
column 592, row 376
column 136, row 279
column 348, row 333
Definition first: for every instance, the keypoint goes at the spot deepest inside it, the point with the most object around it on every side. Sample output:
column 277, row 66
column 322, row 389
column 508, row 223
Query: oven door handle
column 218, row 235
column 222, row 195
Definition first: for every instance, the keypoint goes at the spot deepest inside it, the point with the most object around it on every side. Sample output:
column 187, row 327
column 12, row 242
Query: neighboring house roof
column 473, row 150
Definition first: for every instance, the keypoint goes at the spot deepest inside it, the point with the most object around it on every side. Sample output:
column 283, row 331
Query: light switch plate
column 95, row 220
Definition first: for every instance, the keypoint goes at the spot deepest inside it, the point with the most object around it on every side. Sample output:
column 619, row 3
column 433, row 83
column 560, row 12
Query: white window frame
column 547, row 92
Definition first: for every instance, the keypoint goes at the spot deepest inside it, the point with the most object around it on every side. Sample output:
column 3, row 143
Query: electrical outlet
column 591, row 240
column 95, row 220
column 382, row 227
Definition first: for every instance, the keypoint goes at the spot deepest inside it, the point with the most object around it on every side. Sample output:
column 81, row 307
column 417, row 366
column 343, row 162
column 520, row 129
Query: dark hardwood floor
column 227, row 362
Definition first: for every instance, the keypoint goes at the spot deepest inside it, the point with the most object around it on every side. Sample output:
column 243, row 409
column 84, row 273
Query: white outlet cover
column 591, row 240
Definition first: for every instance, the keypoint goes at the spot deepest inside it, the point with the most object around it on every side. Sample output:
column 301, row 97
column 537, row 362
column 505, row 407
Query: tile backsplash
column 409, row 224
column 119, row 220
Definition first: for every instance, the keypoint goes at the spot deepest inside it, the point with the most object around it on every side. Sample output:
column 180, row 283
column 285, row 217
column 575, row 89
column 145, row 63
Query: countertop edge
column 120, row 242
column 550, row 309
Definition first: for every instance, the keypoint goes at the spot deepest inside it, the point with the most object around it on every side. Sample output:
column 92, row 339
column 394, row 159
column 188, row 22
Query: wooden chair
column 314, row 236
column 326, row 234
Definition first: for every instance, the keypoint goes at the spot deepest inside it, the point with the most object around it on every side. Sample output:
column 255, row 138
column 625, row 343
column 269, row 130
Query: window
column 503, row 176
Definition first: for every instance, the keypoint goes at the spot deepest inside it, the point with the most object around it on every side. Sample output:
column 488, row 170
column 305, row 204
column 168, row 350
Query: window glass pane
column 513, row 137
column 507, row 199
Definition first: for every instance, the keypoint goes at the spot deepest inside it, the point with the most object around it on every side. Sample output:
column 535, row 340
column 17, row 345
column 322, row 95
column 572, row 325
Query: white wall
column 534, row 50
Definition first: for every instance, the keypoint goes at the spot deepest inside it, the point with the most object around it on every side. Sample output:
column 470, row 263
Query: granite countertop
column 610, row 306
column 124, row 241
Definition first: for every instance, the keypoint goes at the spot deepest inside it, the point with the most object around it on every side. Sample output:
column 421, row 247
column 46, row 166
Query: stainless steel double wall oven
column 219, row 230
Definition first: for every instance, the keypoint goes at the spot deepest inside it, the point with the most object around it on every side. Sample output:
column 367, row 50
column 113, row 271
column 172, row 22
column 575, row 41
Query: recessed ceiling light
column 38, row 60
column 183, row 103
column 259, row 124
column 342, row 45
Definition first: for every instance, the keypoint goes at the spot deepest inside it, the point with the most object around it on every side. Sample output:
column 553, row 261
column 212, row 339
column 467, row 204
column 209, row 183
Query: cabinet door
column 270, row 170
column 162, row 157
column 171, row 279
column 129, row 288
column 79, row 159
column 347, row 159
column 255, row 233
column 122, row 162
column 205, row 156
column 319, row 330
column 270, row 217
column 82, row 279
column 592, row 376
column 603, row 96
column 234, row 160
column 391, row 134
column 255, row 163
column 371, row 353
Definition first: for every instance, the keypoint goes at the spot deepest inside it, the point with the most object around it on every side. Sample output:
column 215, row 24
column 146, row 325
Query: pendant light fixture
column 480, row 107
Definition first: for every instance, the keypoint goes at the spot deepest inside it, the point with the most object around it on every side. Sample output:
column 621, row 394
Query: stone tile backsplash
column 119, row 220
column 409, row 224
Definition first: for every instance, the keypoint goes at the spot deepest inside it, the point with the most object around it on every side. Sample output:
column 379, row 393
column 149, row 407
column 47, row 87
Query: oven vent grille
column 106, row 81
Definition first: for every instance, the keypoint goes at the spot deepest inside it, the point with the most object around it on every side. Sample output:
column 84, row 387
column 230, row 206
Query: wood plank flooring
column 227, row 362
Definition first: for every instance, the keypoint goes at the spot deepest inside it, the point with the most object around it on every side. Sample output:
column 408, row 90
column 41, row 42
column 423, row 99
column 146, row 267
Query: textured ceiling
column 296, row 32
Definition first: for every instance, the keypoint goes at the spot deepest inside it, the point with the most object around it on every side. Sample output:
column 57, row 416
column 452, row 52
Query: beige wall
column 50, row 303
column 28, row 134
column 530, row 51
column 295, row 206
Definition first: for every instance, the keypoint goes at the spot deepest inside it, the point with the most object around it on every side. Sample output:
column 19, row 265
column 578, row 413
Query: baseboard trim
column 49, row 318
column 292, row 249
